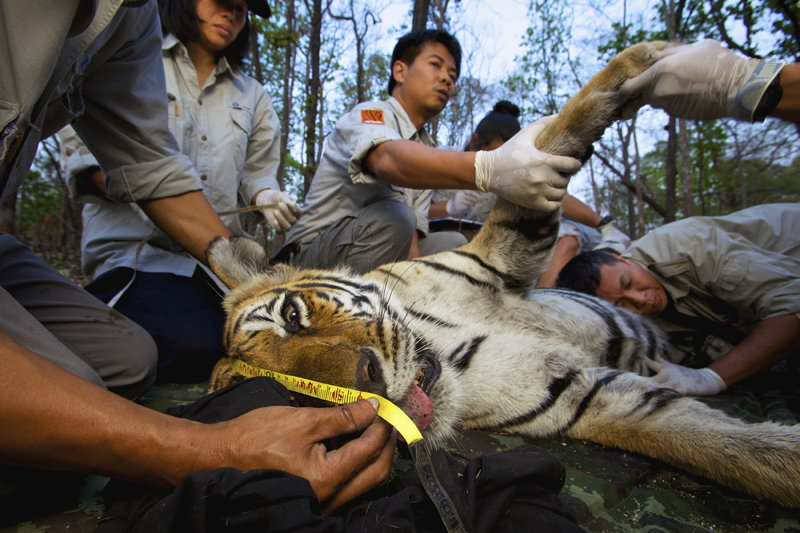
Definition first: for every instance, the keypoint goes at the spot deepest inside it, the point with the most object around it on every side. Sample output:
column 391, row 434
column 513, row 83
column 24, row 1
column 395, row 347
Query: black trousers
column 511, row 491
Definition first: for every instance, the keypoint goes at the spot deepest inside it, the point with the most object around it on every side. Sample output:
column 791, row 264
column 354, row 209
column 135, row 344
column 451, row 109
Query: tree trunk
column 8, row 214
column 670, row 165
column 686, row 170
column 313, row 94
column 639, row 186
column 419, row 19
column 439, row 10
column 257, row 72
column 288, row 86
column 671, row 172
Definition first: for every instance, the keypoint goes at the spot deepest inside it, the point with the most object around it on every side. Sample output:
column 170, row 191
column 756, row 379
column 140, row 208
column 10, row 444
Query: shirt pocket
column 176, row 121
column 9, row 113
column 242, row 124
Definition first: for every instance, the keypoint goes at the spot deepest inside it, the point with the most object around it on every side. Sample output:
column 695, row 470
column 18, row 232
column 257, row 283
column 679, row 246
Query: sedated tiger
column 459, row 339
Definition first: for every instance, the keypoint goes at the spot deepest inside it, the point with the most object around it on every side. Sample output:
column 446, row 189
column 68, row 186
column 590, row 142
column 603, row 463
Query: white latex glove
column 703, row 80
column 611, row 237
column 520, row 173
column 459, row 206
column 689, row 381
column 282, row 212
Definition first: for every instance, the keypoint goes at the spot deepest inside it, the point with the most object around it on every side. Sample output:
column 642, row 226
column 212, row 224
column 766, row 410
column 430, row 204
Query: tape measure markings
column 334, row 394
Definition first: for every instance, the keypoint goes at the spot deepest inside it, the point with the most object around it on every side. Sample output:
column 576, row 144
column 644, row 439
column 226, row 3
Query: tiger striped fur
column 463, row 327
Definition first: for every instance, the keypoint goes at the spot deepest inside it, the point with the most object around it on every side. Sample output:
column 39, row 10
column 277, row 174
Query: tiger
column 461, row 338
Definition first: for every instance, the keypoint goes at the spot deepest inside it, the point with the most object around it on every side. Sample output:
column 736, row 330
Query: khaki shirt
column 341, row 184
column 228, row 129
column 737, row 269
column 109, row 76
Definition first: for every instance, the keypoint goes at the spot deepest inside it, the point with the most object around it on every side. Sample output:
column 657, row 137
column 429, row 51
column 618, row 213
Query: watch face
column 605, row 220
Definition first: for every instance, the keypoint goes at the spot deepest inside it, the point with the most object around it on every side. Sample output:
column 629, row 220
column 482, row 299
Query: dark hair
column 501, row 124
column 410, row 45
column 179, row 18
column 582, row 273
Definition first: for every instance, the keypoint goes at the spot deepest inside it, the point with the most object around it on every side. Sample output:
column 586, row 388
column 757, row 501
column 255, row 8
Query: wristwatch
column 769, row 101
column 608, row 219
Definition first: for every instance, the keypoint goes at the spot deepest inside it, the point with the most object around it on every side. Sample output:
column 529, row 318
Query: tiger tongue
column 418, row 407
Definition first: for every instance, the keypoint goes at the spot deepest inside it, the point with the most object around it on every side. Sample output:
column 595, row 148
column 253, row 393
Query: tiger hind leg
column 629, row 412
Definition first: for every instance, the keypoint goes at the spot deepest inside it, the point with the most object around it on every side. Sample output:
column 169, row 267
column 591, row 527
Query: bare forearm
column 55, row 420
column 566, row 248
column 188, row 219
column 416, row 166
column 577, row 211
column 770, row 342
column 789, row 106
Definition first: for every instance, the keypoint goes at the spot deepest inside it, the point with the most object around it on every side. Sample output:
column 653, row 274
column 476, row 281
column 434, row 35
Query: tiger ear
column 237, row 260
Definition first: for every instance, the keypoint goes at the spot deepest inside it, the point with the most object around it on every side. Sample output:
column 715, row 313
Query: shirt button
column 204, row 138
column 203, row 177
column 199, row 101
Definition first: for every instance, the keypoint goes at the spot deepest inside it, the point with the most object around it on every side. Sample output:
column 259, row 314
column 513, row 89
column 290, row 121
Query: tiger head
column 329, row 326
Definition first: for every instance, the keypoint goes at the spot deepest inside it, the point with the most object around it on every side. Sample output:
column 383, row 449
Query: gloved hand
column 703, row 80
column 520, row 173
column 282, row 212
column 459, row 206
column 611, row 237
column 689, row 381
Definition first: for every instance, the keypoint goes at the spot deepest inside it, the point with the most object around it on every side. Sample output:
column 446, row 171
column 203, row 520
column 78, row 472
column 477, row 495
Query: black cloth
column 511, row 491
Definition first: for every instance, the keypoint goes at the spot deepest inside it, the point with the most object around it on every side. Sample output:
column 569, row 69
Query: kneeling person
column 357, row 212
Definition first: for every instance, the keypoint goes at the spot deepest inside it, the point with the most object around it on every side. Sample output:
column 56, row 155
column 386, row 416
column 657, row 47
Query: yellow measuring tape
column 339, row 395
column 386, row 410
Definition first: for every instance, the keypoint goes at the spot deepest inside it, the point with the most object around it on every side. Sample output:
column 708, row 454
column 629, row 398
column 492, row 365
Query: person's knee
column 135, row 371
column 441, row 241
column 398, row 217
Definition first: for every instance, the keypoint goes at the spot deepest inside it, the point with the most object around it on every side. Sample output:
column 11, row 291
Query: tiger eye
column 290, row 313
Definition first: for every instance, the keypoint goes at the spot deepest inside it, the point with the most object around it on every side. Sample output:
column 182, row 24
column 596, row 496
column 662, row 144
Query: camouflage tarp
column 609, row 490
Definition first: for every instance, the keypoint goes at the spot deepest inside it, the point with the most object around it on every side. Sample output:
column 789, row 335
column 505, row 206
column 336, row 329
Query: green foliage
column 376, row 76
column 540, row 85
column 622, row 36
column 785, row 26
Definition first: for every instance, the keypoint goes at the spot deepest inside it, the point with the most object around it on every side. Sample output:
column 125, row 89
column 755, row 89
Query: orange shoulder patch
column 372, row 116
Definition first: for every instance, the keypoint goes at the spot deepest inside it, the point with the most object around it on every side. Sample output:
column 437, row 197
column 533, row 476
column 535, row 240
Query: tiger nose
column 369, row 377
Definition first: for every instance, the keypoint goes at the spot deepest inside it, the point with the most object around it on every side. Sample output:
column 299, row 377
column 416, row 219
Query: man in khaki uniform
column 356, row 212
column 738, row 271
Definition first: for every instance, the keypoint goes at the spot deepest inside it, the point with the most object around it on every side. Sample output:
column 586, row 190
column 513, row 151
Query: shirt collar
column 170, row 41
column 407, row 128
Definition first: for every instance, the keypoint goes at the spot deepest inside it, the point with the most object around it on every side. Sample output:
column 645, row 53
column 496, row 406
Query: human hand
column 283, row 211
column 703, row 80
column 291, row 439
column 689, row 381
column 459, row 206
column 520, row 173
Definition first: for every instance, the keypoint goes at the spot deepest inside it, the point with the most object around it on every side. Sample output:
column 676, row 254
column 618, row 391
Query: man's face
column 428, row 83
column 628, row 285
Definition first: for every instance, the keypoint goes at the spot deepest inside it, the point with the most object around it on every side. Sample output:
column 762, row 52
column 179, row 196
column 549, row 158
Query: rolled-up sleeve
column 77, row 163
column 365, row 128
column 124, row 123
column 263, row 151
